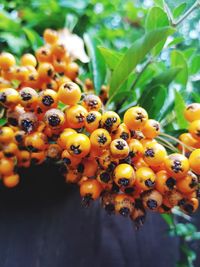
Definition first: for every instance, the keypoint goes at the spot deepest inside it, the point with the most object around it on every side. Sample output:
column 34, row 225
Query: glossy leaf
column 195, row 64
column 111, row 57
column 3, row 121
column 179, row 110
column 135, row 54
column 179, row 10
column 156, row 18
column 153, row 100
column 97, row 63
column 178, row 60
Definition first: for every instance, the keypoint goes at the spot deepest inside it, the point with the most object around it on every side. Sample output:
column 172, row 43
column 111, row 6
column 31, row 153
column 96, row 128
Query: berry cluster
column 123, row 163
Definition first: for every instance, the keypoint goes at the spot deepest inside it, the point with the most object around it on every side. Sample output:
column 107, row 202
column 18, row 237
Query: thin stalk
column 169, row 145
column 177, row 141
column 187, row 13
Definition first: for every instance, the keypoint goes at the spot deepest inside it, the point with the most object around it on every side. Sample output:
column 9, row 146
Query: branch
column 188, row 12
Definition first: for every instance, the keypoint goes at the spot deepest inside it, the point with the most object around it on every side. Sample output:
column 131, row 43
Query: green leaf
column 159, row 3
column 153, row 100
column 97, row 63
column 179, row 10
column 33, row 37
column 178, row 60
column 111, row 57
column 176, row 41
column 71, row 21
column 195, row 64
column 135, row 54
column 3, row 121
column 179, row 110
column 165, row 77
column 15, row 43
column 156, row 18
column 196, row 97
column 168, row 218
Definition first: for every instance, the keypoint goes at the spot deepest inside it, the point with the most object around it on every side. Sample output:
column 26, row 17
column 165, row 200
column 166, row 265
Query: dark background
column 42, row 224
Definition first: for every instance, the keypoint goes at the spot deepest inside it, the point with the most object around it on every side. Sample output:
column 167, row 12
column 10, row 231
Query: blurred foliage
column 135, row 47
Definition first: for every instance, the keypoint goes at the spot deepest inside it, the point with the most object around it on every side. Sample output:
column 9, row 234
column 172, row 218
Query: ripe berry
column 100, row 138
column 192, row 112
column 78, row 145
column 135, row 118
column 194, row 161
column 124, row 175
column 75, row 116
column 145, row 178
column 119, row 148
column 177, row 165
column 69, row 93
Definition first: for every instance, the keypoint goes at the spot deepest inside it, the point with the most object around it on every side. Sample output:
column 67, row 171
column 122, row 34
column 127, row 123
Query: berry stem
column 167, row 144
column 177, row 141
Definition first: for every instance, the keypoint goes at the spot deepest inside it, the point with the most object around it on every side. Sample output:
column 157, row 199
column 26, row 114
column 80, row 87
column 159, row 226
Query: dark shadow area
column 42, row 224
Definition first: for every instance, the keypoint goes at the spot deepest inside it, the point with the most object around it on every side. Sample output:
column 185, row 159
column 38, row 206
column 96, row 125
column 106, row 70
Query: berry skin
column 119, row 148
column 151, row 129
column 75, row 116
column 48, row 99
column 69, row 93
column 28, row 98
column 21, row 73
column 110, row 121
column 135, row 118
column 62, row 140
column 124, row 175
column 38, row 158
column 78, row 145
column 72, row 70
column 100, row 138
column 36, row 142
column 108, row 202
column 6, row 166
column 28, row 60
column 7, row 60
column 10, row 150
column 69, row 160
column 45, row 71
column 145, row 178
column 188, row 184
column 194, row 129
column 9, row 97
column 192, row 112
column 152, row 200
column 190, row 205
column 154, row 154
column 11, row 180
column 194, row 161
column 187, row 139
column 58, row 50
column 136, row 149
column 90, row 167
column 91, row 102
column 90, row 190
column 6, row 135
column 54, row 118
column 23, row 158
column 106, row 161
column 164, row 182
column 43, row 54
column 122, row 132
column 177, row 165
column 72, row 176
column 124, row 204
column 50, row 36
column 92, row 121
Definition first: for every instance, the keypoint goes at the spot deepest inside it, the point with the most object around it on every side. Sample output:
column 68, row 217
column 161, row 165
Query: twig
column 177, row 141
column 187, row 13
column 175, row 23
